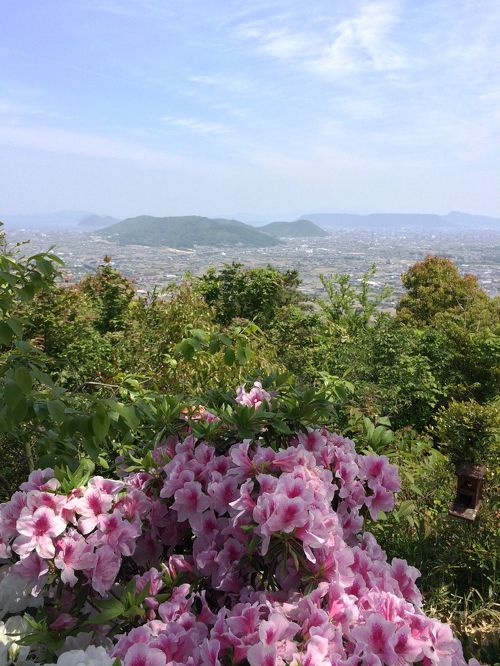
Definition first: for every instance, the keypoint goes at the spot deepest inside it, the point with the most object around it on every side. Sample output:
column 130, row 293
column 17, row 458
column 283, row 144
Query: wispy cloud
column 224, row 82
column 196, row 125
column 363, row 42
column 13, row 109
column 86, row 144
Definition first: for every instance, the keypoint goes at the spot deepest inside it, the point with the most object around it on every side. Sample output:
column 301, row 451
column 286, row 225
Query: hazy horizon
column 258, row 111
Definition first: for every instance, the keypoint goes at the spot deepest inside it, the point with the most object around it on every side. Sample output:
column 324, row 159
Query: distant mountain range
column 186, row 232
column 97, row 222
column 453, row 221
column 190, row 230
column 61, row 219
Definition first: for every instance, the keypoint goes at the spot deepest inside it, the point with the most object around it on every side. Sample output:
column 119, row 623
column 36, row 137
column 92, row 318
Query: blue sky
column 261, row 109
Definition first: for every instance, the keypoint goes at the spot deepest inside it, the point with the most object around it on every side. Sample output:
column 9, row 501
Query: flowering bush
column 212, row 555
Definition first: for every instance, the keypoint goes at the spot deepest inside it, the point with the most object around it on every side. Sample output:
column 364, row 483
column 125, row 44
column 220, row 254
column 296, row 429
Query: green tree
column 435, row 285
column 112, row 293
column 249, row 293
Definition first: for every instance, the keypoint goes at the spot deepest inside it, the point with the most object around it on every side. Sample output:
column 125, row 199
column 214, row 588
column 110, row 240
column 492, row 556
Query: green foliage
column 348, row 307
column 63, row 324
column 89, row 373
column 302, row 339
column 469, row 432
column 465, row 361
column 249, row 293
column 397, row 365
column 435, row 285
column 111, row 293
column 458, row 560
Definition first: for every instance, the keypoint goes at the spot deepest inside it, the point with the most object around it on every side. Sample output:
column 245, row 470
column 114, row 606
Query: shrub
column 469, row 432
column 210, row 553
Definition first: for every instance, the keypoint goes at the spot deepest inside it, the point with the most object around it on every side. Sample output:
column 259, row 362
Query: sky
column 261, row 109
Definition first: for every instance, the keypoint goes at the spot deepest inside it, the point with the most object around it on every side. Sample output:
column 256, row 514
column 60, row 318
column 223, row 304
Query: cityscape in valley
column 328, row 244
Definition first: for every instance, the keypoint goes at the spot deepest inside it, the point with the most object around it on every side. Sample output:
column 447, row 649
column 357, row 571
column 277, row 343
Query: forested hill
column 185, row 232
column 297, row 229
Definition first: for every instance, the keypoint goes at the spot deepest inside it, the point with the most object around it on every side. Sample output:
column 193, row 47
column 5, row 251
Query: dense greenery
column 298, row 229
column 185, row 232
column 89, row 372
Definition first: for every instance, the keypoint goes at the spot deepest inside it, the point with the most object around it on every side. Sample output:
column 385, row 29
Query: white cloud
column 225, row 82
column 196, row 125
column 15, row 109
column 363, row 42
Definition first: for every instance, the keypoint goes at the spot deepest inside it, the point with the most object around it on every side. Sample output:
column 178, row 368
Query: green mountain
column 297, row 229
column 185, row 232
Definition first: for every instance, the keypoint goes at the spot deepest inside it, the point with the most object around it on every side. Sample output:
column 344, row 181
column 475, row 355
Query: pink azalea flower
column 105, row 569
column 253, row 398
column 34, row 568
column 37, row 531
column 74, row 553
column 377, row 637
column 9, row 514
column 209, row 653
column 35, row 500
column 405, row 575
column 115, row 532
column 106, row 486
column 63, row 621
column 408, row 648
column 288, row 514
column 90, row 507
column 137, row 635
column 313, row 440
column 381, row 500
column 442, row 646
column 262, row 655
column 190, row 500
column 40, row 479
column 143, row 655
column 277, row 628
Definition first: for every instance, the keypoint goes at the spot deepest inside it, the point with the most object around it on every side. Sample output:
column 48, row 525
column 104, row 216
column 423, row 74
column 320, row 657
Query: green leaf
column 100, row 424
column 12, row 394
column 110, row 609
column 229, row 357
column 6, row 334
column 57, row 410
column 185, row 349
column 15, row 325
column 129, row 415
column 27, row 293
column 103, row 462
column 19, row 412
column 8, row 278
column 23, row 379
column 242, row 354
column 83, row 472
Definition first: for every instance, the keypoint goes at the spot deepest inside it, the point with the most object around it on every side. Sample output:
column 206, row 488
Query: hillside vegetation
column 186, row 232
column 297, row 229
column 96, row 382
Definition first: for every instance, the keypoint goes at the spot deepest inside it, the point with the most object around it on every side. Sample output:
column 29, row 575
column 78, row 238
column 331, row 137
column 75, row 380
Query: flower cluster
column 253, row 398
column 84, row 533
column 252, row 555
